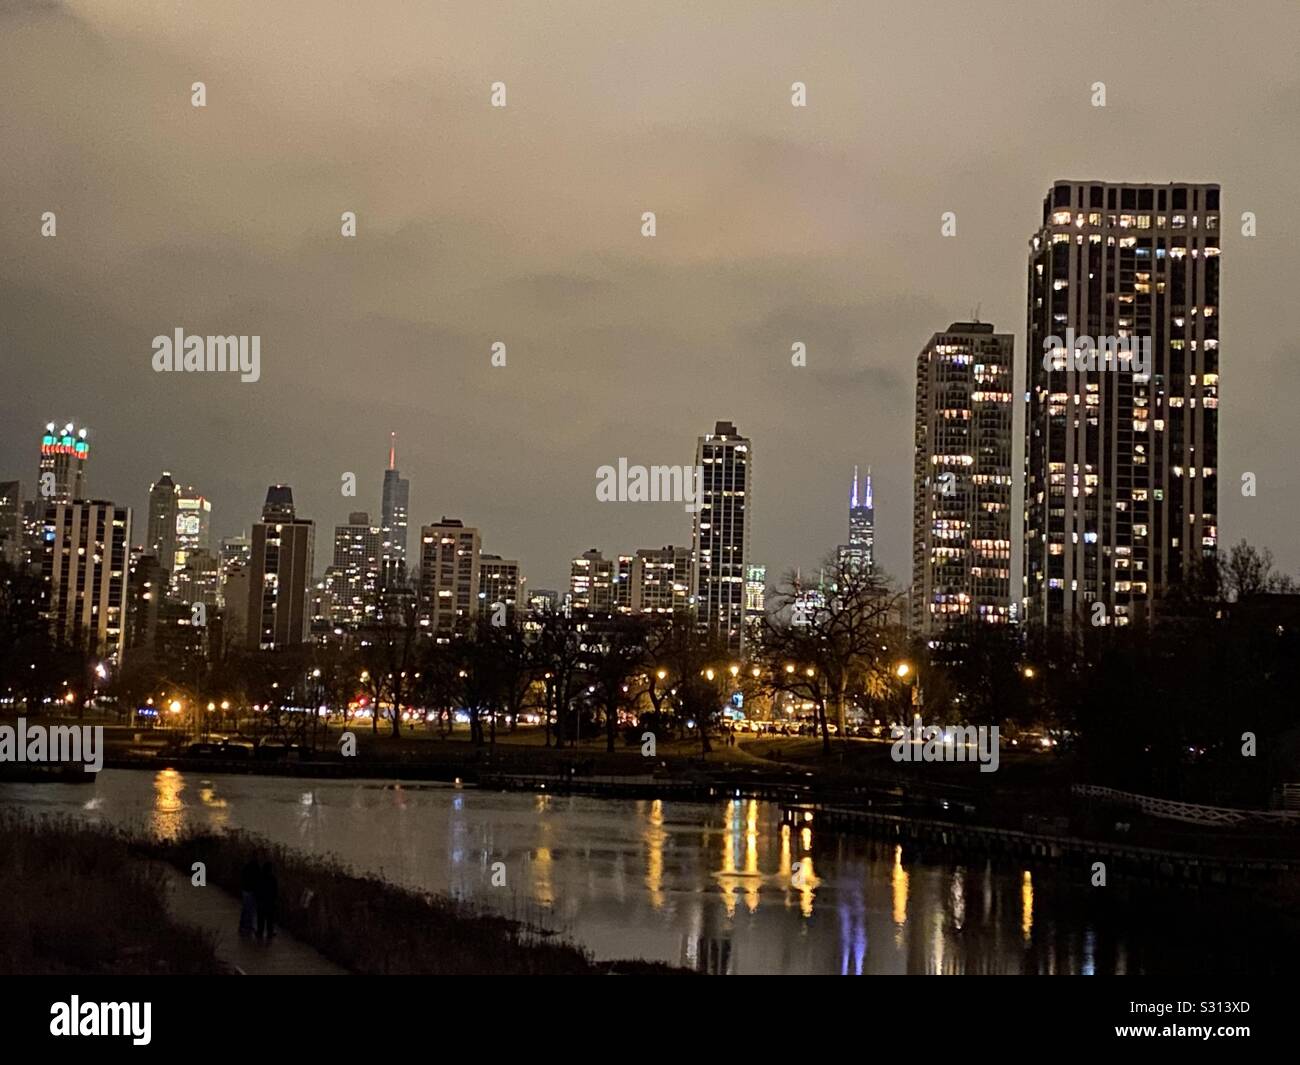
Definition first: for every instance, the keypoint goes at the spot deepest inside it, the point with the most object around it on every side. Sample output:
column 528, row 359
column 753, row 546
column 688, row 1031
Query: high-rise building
column 354, row 577
column 11, row 523
column 661, row 580
column 280, row 573
column 193, row 527
column 449, row 576
column 160, row 540
column 1121, row 454
column 859, row 554
column 392, row 519
column 591, row 582
column 146, row 585
column 722, row 520
column 199, row 579
column 84, row 568
column 755, row 598
column 62, row 476
column 235, row 553
column 500, row 582
column 961, row 515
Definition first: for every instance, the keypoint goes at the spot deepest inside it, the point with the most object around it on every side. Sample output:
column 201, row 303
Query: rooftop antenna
column 975, row 315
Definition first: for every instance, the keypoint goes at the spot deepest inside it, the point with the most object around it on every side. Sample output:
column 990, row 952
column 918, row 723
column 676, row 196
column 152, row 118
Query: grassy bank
column 75, row 902
column 370, row 926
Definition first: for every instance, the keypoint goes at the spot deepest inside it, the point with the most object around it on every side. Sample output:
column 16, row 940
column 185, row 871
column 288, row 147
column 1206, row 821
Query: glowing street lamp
column 903, row 669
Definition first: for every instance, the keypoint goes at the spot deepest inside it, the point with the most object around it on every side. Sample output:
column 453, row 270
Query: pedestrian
column 267, row 891
column 248, row 897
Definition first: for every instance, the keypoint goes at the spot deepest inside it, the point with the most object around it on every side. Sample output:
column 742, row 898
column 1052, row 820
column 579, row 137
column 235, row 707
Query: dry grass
column 75, row 902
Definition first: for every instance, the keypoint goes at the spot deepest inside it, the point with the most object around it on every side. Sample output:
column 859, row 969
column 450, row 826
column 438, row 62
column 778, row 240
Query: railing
column 1190, row 812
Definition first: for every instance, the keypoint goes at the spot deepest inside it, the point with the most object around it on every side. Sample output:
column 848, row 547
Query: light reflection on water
column 723, row 887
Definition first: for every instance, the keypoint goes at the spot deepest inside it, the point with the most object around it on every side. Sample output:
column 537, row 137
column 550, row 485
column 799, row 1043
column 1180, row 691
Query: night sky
column 476, row 224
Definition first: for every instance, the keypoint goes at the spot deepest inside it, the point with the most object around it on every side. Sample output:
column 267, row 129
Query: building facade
column 1121, row 456
column 721, row 542
column 160, row 537
column 62, row 474
column 354, row 577
column 85, row 568
column 859, row 554
column 500, row 584
column 279, row 574
column 962, row 482
column 449, row 576
column 393, row 521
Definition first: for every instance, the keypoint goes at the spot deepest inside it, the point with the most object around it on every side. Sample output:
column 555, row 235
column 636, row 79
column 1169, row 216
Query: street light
column 903, row 669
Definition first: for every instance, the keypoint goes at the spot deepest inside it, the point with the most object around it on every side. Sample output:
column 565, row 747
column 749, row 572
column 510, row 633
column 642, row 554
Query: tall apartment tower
column 722, row 522
column 961, row 513
column 500, row 588
column 85, row 568
column 62, row 474
column 392, row 520
column 279, row 574
column 859, row 554
column 449, row 576
column 661, row 580
column 160, row 538
column 592, row 579
column 1121, row 457
column 354, row 577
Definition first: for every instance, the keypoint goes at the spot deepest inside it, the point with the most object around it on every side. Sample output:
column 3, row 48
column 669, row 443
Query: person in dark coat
column 267, row 892
column 248, row 897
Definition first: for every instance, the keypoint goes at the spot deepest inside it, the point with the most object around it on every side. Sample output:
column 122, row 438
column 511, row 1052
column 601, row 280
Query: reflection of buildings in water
column 714, row 957
column 706, row 937
column 219, row 815
column 853, row 933
column 1026, row 906
column 654, row 838
column 540, row 860
column 167, row 817
column 898, row 882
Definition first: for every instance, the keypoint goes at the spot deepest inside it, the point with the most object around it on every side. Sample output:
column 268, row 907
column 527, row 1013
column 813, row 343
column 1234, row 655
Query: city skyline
column 842, row 252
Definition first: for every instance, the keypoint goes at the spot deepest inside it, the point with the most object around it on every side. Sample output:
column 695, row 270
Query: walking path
column 213, row 910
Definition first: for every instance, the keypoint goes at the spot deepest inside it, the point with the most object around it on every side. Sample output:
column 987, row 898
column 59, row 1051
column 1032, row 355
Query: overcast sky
column 523, row 224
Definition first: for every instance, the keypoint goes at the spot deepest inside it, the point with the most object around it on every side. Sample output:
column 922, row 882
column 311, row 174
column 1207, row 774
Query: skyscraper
column 961, row 515
column 193, row 527
column 160, row 540
column 279, row 573
column 449, row 576
column 722, row 532
column 85, row 570
column 858, row 555
column 62, row 475
column 392, row 519
column 354, row 576
column 500, row 583
column 1121, row 456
